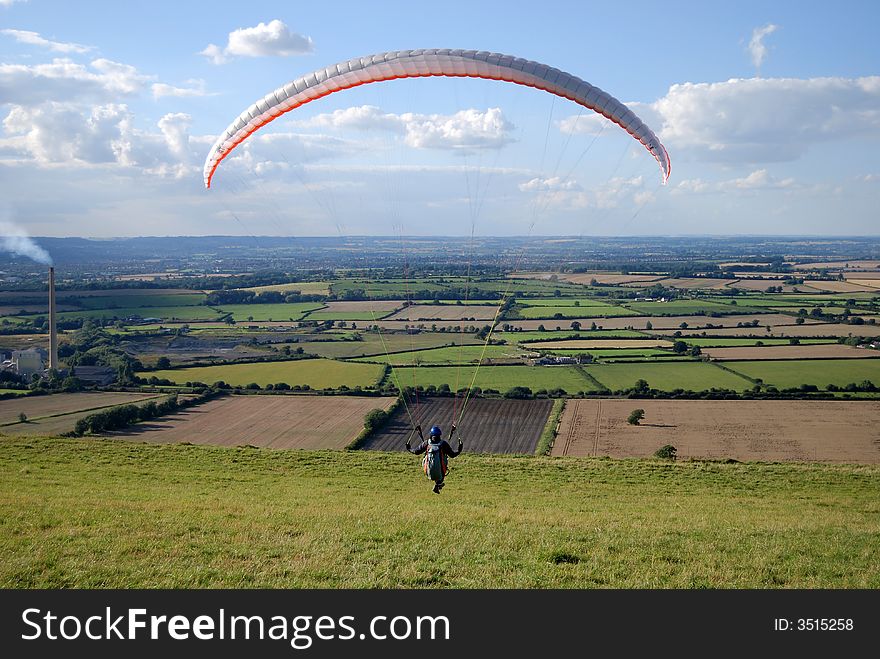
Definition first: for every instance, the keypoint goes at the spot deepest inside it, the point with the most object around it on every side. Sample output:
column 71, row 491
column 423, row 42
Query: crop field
column 839, row 286
column 500, row 378
column 788, row 374
column 374, row 343
column 725, row 343
column 194, row 312
column 317, row 373
column 769, row 430
column 276, row 421
column 664, row 322
column 563, row 302
column 451, row 355
column 58, row 413
column 695, row 376
column 429, row 312
column 597, row 310
column 585, row 344
column 528, row 337
column 182, row 299
column 304, row 287
column 488, row 426
column 285, row 311
column 615, row 352
column 684, row 307
column 694, row 283
column 823, row 351
column 217, row 517
column 587, row 277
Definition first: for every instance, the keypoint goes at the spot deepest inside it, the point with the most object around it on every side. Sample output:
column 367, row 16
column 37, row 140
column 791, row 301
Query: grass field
column 695, row 376
column 185, row 298
column 823, row 372
column 374, row 343
column 317, row 373
column 452, row 355
column 521, row 337
column 598, row 311
column 113, row 514
column 684, row 307
column 196, row 312
column 284, row 311
column 725, row 343
column 304, row 287
column 500, row 378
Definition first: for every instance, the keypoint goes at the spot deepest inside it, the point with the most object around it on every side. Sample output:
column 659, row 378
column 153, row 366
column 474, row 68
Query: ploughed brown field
column 488, row 426
column 445, row 312
column 767, row 430
column 761, row 285
column 695, row 282
column 824, row 351
column 840, row 286
column 663, row 322
column 36, row 407
column 278, row 421
column 367, row 306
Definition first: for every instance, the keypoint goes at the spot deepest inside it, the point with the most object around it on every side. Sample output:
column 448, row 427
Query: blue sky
column 770, row 112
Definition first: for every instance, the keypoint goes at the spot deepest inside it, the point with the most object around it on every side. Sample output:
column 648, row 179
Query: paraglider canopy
column 424, row 63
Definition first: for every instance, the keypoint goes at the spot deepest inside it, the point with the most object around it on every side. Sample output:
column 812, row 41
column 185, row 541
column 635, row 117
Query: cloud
column 65, row 80
column 273, row 39
column 761, row 120
column 546, row 184
column 16, row 240
column 590, row 123
column 34, row 39
column 194, row 88
column 561, row 194
column 757, row 49
column 9, row 3
column 760, row 179
column 465, row 130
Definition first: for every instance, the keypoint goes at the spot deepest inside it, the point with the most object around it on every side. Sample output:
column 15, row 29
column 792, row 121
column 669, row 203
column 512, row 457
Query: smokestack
column 53, row 335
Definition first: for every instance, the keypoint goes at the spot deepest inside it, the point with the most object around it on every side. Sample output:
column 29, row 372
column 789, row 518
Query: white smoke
column 16, row 240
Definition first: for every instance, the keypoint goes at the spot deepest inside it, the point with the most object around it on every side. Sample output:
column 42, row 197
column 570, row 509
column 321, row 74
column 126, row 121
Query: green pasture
column 452, row 355
column 820, row 372
column 265, row 312
column 317, row 373
column 729, row 343
column 140, row 300
column 116, row 514
column 684, row 307
column 695, row 376
column 182, row 313
column 603, row 311
column 500, row 378
column 566, row 334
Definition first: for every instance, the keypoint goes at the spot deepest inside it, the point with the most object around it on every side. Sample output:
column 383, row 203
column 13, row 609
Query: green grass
column 563, row 302
column 145, row 300
column 112, row 514
column 317, row 373
column 17, row 392
column 265, row 312
column 559, row 335
column 684, row 307
column 500, row 378
column 452, row 355
column 167, row 313
column 821, row 372
column 604, row 311
column 695, row 376
column 374, row 343
column 728, row 343
column 612, row 352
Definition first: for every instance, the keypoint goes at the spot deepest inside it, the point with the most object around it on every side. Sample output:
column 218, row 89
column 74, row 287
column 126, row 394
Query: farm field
column 181, row 299
column 317, row 373
column 304, row 287
column 566, row 311
column 586, row 277
column 796, row 331
column 282, row 312
column 768, row 430
column 694, row 283
column 527, row 337
column 427, row 312
column 488, row 426
column 662, row 322
column 724, row 343
column 616, row 352
column 194, row 312
column 214, row 517
column 584, row 344
column 684, row 307
column 695, row 376
column 59, row 416
column 273, row 421
column 374, row 343
column 451, row 355
column 500, row 378
column 823, row 351
column 788, row 374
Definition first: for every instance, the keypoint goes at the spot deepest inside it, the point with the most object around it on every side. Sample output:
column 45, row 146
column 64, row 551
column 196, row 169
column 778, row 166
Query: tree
column 666, row 452
column 641, row 386
column 635, row 417
column 576, row 326
column 649, row 325
column 163, row 362
column 679, row 347
column 22, row 417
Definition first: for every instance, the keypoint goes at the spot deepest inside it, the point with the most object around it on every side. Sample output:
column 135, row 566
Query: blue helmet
column 435, row 431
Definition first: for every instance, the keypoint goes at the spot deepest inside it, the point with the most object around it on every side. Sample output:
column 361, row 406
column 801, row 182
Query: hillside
column 98, row 513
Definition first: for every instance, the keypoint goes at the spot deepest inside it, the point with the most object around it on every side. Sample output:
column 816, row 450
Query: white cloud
column 464, row 130
column 65, row 80
column 546, row 184
column 9, row 3
column 193, row 88
column 760, row 179
column 266, row 39
column 561, row 194
column 34, row 39
column 757, row 49
column 764, row 119
column 589, row 123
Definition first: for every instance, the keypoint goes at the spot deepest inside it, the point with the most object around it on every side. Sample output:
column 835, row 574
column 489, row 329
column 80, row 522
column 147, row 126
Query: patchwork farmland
column 489, row 426
column 768, row 430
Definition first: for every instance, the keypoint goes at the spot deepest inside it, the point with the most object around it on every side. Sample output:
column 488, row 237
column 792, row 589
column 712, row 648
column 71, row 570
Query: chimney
column 53, row 335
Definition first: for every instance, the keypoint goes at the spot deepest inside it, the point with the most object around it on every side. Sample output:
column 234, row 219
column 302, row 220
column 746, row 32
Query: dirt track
column 310, row 422
column 826, row 431
column 489, row 426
